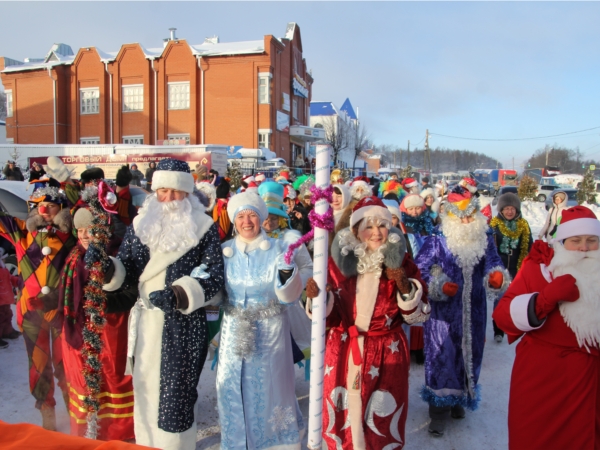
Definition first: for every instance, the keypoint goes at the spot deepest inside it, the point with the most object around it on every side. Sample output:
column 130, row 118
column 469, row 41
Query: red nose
column 43, row 210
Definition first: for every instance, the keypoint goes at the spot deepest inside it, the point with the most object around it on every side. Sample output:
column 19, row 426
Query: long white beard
column 169, row 226
column 466, row 241
column 582, row 315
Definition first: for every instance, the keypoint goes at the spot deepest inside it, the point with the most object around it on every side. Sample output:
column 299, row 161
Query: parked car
column 544, row 191
column 504, row 190
column 571, row 198
column 486, row 189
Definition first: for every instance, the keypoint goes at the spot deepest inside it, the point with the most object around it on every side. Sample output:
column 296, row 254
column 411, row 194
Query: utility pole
column 408, row 154
column 427, row 151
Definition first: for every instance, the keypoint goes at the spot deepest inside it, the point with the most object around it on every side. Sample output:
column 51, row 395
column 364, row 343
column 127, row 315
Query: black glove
column 93, row 255
column 164, row 299
column 124, row 176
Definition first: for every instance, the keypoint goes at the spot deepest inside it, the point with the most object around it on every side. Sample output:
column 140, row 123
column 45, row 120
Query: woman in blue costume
column 255, row 376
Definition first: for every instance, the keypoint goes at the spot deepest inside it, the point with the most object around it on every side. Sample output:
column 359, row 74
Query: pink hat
column 369, row 207
column 577, row 221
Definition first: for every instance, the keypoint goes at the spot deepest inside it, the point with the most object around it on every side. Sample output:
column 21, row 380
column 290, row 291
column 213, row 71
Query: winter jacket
column 510, row 256
column 553, row 217
column 149, row 174
column 13, row 174
column 137, row 177
column 36, row 174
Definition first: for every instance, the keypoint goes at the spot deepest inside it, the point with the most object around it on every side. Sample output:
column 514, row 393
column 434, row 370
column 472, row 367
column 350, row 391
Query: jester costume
column 42, row 249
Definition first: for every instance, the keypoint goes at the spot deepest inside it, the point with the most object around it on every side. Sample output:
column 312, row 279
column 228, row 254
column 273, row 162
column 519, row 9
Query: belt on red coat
column 353, row 333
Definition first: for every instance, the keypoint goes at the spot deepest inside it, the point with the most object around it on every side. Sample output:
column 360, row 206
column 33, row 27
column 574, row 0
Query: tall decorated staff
column 321, row 218
column 101, row 200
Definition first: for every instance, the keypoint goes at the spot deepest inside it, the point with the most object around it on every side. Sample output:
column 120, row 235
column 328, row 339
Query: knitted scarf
column 419, row 224
column 512, row 231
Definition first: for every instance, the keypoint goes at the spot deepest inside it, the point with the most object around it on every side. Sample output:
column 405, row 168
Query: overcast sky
column 505, row 70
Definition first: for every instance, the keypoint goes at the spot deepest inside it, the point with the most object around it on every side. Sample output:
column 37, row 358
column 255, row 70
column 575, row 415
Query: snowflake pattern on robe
column 281, row 418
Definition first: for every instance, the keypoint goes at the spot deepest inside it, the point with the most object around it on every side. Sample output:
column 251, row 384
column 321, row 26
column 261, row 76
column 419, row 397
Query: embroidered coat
column 455, row 335
column 365, row 389
column 167, row 349
column 256, row 391
column 555, row 384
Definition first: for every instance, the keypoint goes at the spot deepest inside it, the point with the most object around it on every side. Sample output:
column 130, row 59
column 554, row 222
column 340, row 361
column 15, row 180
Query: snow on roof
column 322, row 109
column 228, row 48
column 106, row 57
column 289, row 31
column 348, row 109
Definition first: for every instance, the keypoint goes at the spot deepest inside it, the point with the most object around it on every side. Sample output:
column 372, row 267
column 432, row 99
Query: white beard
column 169, row 226
column 466, row 241
column 582, row 315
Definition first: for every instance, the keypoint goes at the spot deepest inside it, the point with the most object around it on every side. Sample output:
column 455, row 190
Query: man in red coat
column 554, row 303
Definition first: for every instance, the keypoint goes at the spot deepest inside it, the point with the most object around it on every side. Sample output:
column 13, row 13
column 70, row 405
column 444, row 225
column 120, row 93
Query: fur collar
column 160, row 261
column 63, row 221
column 394, row 254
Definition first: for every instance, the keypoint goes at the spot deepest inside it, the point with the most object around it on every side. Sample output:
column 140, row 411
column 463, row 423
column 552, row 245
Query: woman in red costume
column 374, row 287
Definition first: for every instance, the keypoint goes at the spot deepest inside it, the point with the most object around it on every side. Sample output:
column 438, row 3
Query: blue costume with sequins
column 455, row 333
column 255, row 376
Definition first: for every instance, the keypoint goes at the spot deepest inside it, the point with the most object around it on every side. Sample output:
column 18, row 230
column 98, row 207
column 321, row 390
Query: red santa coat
column 380, row 389
column 554, row 391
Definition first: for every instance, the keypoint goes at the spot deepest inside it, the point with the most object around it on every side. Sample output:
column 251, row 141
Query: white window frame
column 264, row 89
column 266, row 134
column 89, row 141
column 10, row 140
column 172, row 103
column 132, row 101
column 94, row 105
column 9, row 102
column 295, row 108
column 185, row 136
column 133, row 140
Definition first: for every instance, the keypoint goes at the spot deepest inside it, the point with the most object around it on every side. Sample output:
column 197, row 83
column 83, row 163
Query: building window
column 295, row 109
column 90, row 100
column 264, row 138
column 184, row 137
column 133, row 98
column 179, row 95
column 264, row 88
column 10, row 140
column 89, row 141
column 133, row 139
column 9, row 103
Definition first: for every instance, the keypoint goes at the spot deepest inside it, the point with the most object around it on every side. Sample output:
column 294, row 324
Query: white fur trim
column 170, row 179
column 265, row 245
column 546, row 273
column 426, row 192
column 412, row 184
column 413, row 200
column 414, row 297
column 577, row 227
column 247, row 199
column 291, row 290
column 492, row 293
column 228, row 252
column 194, row 292
column 394, row 211
column 46, row 251
column 210, row 191
column 370, row 211
column 518, row 312
column 118, row 277
column 360, row 189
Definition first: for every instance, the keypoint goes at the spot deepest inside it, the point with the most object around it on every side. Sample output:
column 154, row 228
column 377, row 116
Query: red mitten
column 496, row 279
column 34, row 303
column 561, row 289
column 450, row 289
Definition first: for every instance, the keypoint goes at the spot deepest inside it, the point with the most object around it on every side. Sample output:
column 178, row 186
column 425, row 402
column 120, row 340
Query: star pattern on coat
column 388, row 321
column 328, row 370
column 344, row 336
column 394, row 346
column 374, row 372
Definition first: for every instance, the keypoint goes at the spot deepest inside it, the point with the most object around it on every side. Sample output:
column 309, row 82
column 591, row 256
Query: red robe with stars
column 378, row 386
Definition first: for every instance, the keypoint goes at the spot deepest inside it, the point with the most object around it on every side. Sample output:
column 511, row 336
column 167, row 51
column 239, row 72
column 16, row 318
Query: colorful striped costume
column 41, row 252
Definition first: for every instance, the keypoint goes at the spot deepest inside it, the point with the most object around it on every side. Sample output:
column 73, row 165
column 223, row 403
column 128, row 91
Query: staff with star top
column 373, row 288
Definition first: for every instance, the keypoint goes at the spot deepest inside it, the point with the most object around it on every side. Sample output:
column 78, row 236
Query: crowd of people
column 120, row 307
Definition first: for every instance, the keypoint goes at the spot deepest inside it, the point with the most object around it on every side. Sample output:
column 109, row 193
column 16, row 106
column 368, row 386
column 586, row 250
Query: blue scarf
column 422, row 223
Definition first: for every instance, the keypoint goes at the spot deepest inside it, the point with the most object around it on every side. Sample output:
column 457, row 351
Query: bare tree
column 2, row 106
column 361, row 139
column 336, row 135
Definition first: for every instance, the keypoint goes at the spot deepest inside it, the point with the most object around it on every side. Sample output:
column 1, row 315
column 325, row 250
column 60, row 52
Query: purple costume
column 455, row 333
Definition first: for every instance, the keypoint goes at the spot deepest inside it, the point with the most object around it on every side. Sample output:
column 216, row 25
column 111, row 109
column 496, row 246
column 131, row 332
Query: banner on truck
column 110, row 164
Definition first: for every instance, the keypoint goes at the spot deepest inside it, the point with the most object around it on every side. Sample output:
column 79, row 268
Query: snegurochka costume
column 255, row 377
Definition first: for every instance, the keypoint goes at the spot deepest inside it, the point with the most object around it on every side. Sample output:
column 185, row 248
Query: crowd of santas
column 410, row 272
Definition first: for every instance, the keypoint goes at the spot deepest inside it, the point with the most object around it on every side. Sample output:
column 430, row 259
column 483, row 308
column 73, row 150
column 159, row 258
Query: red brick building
column 240, row 93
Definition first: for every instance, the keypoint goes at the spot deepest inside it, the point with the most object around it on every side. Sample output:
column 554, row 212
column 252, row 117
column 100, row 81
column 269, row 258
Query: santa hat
column 260, row 177
column 461, row 203
column 283, row 176
column 173, row 174
column 210, row 191
column 369, row 207
column 272, row 194
column 469, row 183
column 252, row 187
column 413, row 200
column 248, row 179
column 56, row 169
column 289, row 192
column 408, row 183
column 393, row 208
column 360, row 189
column 577, row 221
column 247, row 201
column 344, row 192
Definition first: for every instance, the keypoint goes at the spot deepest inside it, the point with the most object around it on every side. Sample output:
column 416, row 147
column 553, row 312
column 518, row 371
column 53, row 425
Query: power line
column 514, row 139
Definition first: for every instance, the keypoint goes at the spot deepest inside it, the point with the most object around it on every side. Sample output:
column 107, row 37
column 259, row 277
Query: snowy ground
column 485, row 428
